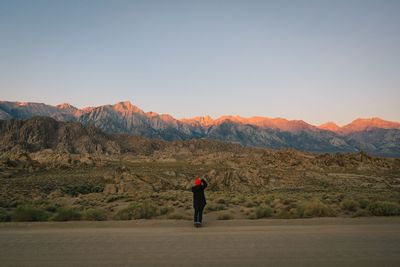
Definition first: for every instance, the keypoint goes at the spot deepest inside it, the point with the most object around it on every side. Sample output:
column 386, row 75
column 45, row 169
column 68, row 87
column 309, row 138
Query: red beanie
column 197, row 181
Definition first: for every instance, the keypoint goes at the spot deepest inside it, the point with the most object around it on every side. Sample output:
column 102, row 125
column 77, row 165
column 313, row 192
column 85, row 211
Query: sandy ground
column 303, row 242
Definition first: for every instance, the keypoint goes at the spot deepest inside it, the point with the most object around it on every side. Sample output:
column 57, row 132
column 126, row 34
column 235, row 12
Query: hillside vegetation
column 62, row 171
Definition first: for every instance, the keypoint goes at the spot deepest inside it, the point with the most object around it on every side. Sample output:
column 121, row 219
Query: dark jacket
column 199, row 200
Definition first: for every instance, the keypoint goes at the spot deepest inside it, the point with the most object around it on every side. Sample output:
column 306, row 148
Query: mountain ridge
column 357, row 124
column 374, row 135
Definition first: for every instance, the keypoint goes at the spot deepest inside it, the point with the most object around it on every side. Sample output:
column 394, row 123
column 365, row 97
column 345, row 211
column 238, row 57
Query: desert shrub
column 361, row 213
column 292, row 205
column 329, row 199
column 252, row 215
column 349, row 205
column 287, row 214
column 246, row 211
column 124, row 214
column 29, row 214
column 276, row 202
column 86, row 188
column 170, row 197
column 257, row 201
column 241, row 199
column 94, row 215
column 287, row 201
column 235, row 200
column 4, row 215
column 221, row 201
column 225, row 216
column 363, row 203
column 143, row 210
column 113, row 198
column 384, row 208
column 325, row 196
column 268, row 199
column 176, row 216
column 293, row 213
column 51, row 207
column 336, row 198
column 165, row 210
column 282, row 214
column 314, row 209
column 278, row 207
column 146, row 210
column 215, row 207
column 249, row 204
column 263, row 212
column 67, row 214
column 9, row 202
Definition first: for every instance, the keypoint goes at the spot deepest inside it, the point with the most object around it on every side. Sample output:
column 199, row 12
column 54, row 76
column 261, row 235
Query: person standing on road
column 199, row 200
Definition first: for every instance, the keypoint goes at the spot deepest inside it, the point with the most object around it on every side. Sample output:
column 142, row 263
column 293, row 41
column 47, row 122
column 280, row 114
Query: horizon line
column 203, row 116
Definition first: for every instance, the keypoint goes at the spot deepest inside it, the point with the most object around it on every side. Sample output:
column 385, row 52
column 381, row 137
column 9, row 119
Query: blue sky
column 313, row 60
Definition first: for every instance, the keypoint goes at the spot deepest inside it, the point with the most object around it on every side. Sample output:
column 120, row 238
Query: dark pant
column 198, row 214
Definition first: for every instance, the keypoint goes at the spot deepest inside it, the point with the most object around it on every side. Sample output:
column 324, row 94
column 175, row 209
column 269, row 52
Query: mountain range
column 374, row 135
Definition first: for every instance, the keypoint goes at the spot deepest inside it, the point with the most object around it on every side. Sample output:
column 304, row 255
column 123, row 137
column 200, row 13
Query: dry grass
column 225, row 216
column 152, row 188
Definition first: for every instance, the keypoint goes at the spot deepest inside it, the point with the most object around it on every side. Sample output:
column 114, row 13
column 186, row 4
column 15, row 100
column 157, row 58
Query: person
column 199, row 200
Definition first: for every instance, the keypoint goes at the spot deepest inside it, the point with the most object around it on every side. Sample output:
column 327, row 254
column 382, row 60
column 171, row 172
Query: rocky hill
column 375, row 136
column 39, row 133
column 62, row 167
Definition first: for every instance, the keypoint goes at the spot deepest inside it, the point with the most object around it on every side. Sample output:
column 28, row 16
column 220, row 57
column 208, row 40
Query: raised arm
column 204, row 183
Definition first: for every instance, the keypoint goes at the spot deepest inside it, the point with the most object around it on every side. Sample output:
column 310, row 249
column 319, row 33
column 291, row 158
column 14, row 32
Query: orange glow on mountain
column 128, row 110
column 362, row 124
column 151, row 114
column 203, row 121
column 329, row 126
column 127, row 106
column 264, row 122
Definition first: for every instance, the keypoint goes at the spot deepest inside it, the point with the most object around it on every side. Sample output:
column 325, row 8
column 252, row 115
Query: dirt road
column 308, row 242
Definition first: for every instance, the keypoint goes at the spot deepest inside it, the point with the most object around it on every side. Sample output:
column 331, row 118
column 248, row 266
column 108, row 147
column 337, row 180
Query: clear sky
column 313, row 60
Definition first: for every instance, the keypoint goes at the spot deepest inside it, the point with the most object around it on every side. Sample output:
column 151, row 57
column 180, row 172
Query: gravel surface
column 303, row 242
